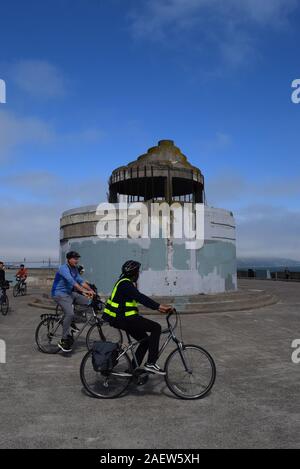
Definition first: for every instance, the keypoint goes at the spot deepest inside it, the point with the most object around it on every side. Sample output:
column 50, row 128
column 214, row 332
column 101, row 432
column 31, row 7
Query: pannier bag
column 104, row 356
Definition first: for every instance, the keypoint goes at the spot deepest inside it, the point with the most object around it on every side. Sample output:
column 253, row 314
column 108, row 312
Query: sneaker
column 74, row 328
column 154, row 368
column 70, row 339
column 65, row 345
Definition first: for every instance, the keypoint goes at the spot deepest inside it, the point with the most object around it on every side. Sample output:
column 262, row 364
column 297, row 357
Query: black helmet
column 73, row 255
column 130, row 267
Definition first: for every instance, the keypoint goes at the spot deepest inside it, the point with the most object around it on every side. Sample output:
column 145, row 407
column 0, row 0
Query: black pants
column 137, row 327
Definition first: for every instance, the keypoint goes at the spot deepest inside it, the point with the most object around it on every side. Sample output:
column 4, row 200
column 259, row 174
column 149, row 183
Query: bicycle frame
column 171, row 337
column 20, row 283
column 87, row 323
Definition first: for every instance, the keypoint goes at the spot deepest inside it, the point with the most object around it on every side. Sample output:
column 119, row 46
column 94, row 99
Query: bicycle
column 190, row 369
column 20, row 288
column 4, row 301
column 49, row 331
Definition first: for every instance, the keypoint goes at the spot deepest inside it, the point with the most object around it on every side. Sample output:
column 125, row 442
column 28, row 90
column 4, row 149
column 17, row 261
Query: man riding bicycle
column 22, row 274
column 69, row 288
column 121, row 312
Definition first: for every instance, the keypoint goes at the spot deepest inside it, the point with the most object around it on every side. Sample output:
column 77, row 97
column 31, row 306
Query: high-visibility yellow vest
column 113, row 309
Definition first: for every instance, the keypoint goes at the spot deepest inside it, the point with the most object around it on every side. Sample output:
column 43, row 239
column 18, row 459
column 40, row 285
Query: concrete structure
column 169, row 268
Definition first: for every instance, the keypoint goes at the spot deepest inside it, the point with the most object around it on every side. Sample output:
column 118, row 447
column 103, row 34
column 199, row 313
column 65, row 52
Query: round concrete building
column 161, row 177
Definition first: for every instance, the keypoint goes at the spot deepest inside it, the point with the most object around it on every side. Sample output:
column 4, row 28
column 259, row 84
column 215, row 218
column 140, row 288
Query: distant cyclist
column 69, row 288
column 2, row 278
column 22, row 274
column 121, row 311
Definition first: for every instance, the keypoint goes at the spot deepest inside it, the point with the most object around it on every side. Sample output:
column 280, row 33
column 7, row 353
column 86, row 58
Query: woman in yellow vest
column 121, row 311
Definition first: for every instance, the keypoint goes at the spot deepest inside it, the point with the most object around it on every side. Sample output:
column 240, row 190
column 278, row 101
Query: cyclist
column 121, row 312
column 69, row 288
column 2, row 279
column 22, row 274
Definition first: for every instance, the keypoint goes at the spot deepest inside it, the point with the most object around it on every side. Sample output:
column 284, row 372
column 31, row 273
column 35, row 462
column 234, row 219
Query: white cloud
column 275, row 12
column 38, row 78
column 225, row 188
column 31, row 229
column 230, row 186
column 16, row 131
column 47, row 187
column 227, row 28
column 268, row 231
column 152, row 17
column 28, row 230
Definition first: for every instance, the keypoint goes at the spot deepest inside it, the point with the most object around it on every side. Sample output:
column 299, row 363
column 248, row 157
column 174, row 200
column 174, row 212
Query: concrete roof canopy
column 163, row 173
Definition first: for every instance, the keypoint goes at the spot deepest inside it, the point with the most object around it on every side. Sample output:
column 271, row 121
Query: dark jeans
column 137, row 327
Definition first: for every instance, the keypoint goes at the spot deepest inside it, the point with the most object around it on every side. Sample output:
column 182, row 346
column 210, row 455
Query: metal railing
column 44, row 263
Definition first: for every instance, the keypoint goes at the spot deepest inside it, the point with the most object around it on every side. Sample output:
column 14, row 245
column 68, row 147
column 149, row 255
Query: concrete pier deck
column 255, row 402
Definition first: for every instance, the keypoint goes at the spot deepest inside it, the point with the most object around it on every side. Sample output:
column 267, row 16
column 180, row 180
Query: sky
column 91, row 85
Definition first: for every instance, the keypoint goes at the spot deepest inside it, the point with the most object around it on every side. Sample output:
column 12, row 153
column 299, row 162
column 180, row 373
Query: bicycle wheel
column 103, row 331
column 24, row 290
column 196, row 381
column 4, row 305
column 16, row 290
column 48, row 334
column 108, row 386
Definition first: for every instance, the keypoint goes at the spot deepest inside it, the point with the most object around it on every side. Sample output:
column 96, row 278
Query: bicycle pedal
column 142, row 379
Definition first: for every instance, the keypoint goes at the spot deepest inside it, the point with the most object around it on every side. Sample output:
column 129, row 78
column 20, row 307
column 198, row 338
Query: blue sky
column 92, row 85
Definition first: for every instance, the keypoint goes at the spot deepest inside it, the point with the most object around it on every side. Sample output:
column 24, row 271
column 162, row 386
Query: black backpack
column 104, row 356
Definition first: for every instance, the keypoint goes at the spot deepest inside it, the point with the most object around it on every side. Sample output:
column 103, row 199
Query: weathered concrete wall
column 168, row 267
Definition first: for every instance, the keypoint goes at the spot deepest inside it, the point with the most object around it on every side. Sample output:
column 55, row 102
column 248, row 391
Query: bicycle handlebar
column 169, row 315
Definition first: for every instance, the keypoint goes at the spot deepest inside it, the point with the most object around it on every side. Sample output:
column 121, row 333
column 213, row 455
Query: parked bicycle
column 20, row 288
column 49, row 330
column 4, row 301
column 190, row 370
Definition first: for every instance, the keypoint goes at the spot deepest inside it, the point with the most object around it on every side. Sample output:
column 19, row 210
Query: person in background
column 22, row 274
column 81, row 271
column 69, row 288
column 2, row 278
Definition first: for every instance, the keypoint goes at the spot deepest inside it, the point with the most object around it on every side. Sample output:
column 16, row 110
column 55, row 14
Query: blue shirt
column 65, row 279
